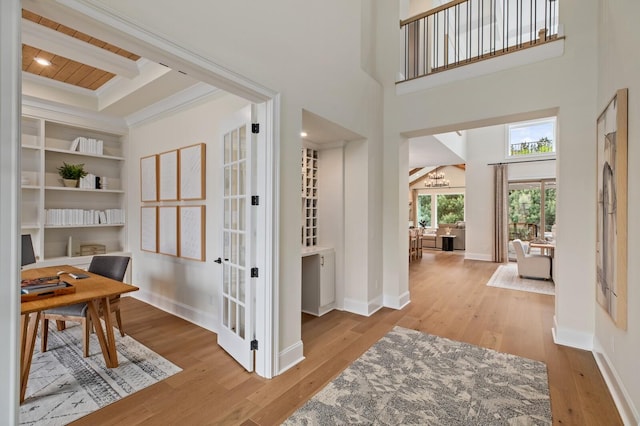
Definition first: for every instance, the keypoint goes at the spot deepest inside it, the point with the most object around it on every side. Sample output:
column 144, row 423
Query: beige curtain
column 501, row 195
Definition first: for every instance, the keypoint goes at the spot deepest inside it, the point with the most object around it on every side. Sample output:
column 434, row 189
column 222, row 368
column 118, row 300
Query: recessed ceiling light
column 303, row 134
column 43, row 61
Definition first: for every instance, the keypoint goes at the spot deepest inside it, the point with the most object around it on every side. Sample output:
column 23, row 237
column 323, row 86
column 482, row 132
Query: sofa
column 431, row 237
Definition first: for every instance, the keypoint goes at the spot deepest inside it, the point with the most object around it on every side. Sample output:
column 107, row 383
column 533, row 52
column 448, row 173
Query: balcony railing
column 466, row 31
column 542, row 146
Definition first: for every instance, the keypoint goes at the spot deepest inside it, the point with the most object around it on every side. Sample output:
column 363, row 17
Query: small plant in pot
column 71, row 174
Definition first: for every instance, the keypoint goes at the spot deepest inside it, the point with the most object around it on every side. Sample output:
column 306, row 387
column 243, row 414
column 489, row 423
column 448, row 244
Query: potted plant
column 71, row 174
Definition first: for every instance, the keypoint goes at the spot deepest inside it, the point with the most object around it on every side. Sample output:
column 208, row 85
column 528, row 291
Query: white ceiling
column 428, row 151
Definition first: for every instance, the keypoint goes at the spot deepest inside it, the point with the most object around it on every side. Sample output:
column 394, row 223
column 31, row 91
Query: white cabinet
column 46, row 144
column 318, row 280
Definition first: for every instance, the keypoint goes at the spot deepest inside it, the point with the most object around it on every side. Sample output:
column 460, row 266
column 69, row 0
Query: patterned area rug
column 409, row 377
column 506, row 276
column 63, row 386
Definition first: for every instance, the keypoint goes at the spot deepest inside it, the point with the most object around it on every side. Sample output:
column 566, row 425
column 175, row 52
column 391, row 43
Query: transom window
column 537, row 137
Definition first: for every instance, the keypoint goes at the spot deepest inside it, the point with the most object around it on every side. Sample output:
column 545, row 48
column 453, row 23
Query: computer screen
column 28, row 257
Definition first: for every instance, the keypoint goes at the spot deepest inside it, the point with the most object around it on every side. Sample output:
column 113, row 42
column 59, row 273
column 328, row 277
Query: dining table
column 95, row 291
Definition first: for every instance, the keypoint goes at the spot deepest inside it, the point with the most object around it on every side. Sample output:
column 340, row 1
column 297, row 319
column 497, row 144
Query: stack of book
column 42, row 285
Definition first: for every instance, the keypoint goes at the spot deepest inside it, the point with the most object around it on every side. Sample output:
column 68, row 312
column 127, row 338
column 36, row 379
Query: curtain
column 501, row 195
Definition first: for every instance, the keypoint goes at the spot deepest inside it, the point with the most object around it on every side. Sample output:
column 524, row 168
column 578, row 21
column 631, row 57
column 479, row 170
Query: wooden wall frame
column 149, row 178
column 169, row 176
column 168, row 230
column 192, row 160
column 149, row 228
column 611, row 223
column 192, row 232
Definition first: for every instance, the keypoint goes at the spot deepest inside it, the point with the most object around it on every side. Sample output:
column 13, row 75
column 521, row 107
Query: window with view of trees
column 450, row 208
column 532, row 209
column 424, row 210
column 532, row 138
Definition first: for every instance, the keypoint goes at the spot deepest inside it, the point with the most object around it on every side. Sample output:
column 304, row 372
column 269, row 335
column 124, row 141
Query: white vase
column 70, row 183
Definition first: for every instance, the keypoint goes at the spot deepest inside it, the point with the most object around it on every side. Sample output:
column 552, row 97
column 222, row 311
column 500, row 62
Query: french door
column 237, row 289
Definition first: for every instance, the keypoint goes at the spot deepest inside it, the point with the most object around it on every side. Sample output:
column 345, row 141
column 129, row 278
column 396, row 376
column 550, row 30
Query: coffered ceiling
column 88, row 72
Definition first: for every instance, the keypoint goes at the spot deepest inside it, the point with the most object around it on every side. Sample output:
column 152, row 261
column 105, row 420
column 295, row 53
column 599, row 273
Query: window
column 450, row 208
column 424, row 210
column 532, row 138
column 532, row 209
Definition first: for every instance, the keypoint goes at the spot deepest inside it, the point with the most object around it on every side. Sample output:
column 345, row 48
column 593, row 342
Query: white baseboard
column 363, row 308
column 189, row 313
column 628, row 412
column 571, row 338
column 478, row 256
column 398, row 302
column 290, row 357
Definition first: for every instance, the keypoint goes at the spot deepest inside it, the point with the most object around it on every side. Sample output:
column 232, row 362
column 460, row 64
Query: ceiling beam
column 55, row 42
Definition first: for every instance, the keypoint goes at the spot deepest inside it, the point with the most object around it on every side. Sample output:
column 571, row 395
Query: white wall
column 618, row 67
column 187, row 288
column 290, row 48
column 560, row 84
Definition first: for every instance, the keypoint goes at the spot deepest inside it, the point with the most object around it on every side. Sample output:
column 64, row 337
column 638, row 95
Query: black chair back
column 28, row 256
column 113, row 267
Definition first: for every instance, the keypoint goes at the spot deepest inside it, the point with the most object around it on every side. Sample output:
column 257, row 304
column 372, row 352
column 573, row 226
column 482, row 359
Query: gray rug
column 506, row 276
column 409, row 377
column 63, row 386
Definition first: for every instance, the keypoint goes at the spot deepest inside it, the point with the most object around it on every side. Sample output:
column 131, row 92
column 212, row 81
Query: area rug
column 506, row 276
column 409, row 377
column 63, row 386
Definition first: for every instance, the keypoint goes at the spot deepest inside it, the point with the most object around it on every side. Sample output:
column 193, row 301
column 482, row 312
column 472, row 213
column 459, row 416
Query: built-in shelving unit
column 46, row 144
column 309, row 197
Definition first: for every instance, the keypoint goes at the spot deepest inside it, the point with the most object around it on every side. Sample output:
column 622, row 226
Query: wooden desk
column 95, row 291
column 545, row 248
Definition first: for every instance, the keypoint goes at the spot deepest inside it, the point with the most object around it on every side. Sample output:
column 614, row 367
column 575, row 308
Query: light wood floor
column 449, row 298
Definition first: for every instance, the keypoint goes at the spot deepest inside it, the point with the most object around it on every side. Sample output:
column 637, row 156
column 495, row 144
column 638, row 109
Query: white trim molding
column 571, row 338
column 291, row 356
column 619, row 393
column 397, row 302
column 201, row 318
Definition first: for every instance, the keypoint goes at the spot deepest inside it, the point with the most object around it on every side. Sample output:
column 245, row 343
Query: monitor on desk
column 28, row 256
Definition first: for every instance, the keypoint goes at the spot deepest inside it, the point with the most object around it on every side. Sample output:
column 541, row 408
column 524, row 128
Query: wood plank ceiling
column 63, row 69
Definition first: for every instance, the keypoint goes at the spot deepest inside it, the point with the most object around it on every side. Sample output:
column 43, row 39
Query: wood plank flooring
column 449, row 298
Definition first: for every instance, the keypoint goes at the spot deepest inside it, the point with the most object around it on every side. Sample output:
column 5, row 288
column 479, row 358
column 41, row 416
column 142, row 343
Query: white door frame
column 155, row 47
column 10, row 87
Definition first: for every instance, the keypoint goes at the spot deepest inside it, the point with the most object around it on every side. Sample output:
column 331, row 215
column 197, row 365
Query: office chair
column 113, row 267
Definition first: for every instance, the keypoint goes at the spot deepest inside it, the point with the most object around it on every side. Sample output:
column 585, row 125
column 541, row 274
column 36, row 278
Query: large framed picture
column 611, row 236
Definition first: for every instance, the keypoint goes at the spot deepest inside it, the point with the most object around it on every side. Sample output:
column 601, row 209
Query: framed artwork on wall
column 611, row 226
column 192, row 172
column 149, row 178
column 168, row 230
column 192, row 232
column 168, row 172
column 149, row 228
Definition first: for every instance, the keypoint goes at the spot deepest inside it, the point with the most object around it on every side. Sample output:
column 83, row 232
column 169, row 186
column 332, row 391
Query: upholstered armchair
column 531, row 265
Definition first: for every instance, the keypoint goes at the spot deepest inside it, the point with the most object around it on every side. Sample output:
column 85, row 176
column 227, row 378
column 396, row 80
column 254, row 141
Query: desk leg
column 108, row 341
column 28, row 331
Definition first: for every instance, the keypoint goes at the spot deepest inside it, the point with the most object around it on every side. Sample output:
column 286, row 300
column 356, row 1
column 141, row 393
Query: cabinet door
column 327, row 278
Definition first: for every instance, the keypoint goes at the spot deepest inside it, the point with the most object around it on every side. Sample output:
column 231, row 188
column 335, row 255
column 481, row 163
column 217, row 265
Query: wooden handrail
column 431, row 12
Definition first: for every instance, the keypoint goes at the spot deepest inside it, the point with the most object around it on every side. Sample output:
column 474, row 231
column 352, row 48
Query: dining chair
column 113, row 267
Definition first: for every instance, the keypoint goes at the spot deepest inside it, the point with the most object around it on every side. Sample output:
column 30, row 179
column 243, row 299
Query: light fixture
column 436, row 179
column 42, row 61
column 303, row 134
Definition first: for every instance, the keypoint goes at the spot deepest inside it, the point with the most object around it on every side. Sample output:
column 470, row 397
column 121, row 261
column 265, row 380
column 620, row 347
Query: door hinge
column 254, row 272
column 255, row 127
column 255, row 200
column 254, row 345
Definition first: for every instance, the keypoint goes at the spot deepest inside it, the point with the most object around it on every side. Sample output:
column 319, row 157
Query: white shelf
column 84, row 154
column 45, row 146
column 63, row 188
column 101, row 225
